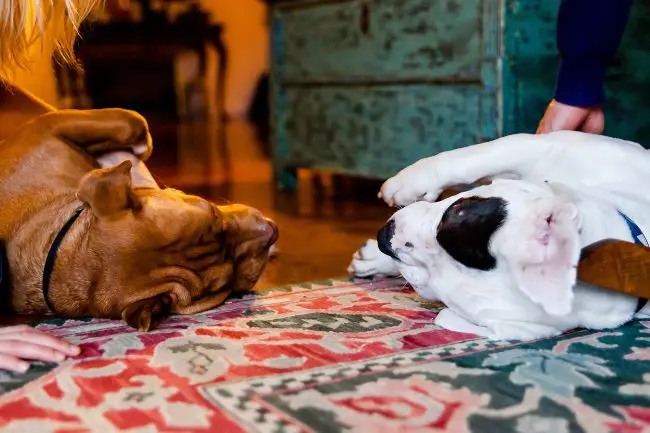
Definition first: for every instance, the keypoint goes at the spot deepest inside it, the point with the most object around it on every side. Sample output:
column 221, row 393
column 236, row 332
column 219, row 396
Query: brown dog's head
column 162, row 251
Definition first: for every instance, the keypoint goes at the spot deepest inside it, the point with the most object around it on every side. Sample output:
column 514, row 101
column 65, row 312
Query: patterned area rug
column 338, row 356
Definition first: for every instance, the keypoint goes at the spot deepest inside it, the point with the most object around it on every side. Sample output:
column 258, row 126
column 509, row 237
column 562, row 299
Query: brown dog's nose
column 248, row 225
column 272, row 230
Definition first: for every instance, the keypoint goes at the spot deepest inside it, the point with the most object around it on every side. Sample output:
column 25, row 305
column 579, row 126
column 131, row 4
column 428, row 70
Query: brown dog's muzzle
column 250, row 235
column 245, row 224
column 271, row 231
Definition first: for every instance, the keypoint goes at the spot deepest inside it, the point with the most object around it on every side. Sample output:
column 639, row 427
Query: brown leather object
column 617, row 265
column 457, row 189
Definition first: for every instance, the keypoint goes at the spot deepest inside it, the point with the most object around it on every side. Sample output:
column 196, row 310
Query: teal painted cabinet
column 366, row 87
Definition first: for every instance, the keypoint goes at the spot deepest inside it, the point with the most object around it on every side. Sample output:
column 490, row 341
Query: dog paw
column 132, row 132
column 121, row 131
column 368, row 261
column 414, row 183
column 139, row 140
column 140, row 149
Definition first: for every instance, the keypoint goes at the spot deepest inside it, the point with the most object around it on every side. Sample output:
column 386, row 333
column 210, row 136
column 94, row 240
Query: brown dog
column 82, row 240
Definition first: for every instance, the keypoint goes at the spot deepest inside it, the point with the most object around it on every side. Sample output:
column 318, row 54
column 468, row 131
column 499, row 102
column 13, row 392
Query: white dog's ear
column 545, row 261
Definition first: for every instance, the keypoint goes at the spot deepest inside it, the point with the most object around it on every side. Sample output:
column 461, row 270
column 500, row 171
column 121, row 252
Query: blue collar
column 639, row 239
column 635, row 231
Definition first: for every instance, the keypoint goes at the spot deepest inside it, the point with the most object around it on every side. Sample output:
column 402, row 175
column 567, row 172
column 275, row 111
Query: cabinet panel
column 529, row 28
column 376, row 131
column 379, row 40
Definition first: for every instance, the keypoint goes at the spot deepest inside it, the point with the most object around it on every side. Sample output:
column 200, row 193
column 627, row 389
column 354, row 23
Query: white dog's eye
column 466, row 228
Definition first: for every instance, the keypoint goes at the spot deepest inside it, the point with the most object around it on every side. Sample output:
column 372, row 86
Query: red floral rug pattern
column 337, row 356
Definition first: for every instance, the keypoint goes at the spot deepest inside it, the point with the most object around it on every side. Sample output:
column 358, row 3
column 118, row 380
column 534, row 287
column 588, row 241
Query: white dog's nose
column 384, row 237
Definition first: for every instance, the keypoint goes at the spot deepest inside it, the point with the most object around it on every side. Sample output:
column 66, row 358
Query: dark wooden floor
column 321, row 224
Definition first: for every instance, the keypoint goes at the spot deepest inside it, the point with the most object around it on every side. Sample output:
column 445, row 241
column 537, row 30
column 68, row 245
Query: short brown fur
column 134, row 253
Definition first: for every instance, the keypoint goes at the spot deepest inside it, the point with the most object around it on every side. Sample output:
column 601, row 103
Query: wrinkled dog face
column 168, row 252
column 512, row 235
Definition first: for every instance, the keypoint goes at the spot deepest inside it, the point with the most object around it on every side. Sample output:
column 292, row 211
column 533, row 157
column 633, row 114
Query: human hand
column 22, row 342
column 559, row 116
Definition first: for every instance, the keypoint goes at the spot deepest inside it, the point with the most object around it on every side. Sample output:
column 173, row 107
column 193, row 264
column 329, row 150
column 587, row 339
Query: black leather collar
column 51, row 255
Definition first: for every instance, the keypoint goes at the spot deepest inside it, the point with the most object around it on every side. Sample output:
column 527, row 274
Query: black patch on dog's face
column 384, row 237
column 466, row 228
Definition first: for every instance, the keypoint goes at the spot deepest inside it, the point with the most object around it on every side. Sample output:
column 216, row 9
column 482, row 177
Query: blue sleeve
column 588, row 35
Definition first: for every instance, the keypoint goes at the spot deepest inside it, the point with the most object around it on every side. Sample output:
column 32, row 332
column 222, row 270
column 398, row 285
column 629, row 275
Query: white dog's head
column 522, row 237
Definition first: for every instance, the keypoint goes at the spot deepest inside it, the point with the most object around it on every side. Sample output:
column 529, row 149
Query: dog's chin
column 416, row 275
column 249, row 271
column 406, row 258
column 413, row 272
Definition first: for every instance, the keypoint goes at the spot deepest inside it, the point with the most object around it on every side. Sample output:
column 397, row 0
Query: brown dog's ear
column 143, row 315
column 108, row 191
column 617, row 265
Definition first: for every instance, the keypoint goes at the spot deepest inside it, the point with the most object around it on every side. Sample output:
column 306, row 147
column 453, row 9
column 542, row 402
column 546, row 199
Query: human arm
column 588, row 35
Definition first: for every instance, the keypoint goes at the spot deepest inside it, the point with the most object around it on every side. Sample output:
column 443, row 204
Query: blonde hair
column 24, row 22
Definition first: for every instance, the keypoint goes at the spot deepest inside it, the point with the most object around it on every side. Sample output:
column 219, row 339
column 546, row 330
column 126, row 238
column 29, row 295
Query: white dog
column 503, row 257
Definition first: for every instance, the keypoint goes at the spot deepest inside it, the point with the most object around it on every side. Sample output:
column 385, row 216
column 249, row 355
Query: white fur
column 140, row 174
column 578, row 180
column 369, row 261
